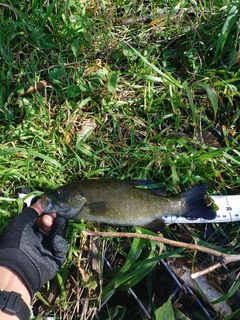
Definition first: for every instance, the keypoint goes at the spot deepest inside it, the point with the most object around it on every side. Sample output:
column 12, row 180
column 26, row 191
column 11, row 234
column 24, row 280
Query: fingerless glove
column 36, row 257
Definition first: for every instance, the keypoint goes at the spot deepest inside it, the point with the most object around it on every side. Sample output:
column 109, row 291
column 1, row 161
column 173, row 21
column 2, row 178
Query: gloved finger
column 60, row 247
column 59, row 227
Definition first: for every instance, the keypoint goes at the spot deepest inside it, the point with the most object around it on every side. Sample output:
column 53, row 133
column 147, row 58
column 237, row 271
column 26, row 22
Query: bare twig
column 223, row 257
column 206, row 271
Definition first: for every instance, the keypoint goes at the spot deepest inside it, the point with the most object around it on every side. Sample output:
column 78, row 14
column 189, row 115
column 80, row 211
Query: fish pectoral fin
column 97, row 208
column 155, row 225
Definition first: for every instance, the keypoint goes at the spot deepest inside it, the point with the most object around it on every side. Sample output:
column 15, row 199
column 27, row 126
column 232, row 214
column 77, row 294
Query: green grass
column 135, row 115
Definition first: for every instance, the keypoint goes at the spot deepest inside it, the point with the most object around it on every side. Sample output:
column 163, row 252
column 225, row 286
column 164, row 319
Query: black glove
column 34, row 256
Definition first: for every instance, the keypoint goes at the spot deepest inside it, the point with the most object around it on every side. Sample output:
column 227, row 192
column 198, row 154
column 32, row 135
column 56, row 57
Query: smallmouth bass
column 125, row 202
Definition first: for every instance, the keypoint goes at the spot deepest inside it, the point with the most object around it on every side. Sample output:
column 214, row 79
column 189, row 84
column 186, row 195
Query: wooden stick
column 223, row 257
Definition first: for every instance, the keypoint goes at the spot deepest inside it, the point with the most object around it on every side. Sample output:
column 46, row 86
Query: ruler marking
column 228, row 208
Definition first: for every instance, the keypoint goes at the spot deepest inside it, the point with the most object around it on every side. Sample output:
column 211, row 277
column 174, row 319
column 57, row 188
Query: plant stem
column 223, row 257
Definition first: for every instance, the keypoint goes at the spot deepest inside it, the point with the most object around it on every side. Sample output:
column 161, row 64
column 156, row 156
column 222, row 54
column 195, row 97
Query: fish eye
column 56, row 193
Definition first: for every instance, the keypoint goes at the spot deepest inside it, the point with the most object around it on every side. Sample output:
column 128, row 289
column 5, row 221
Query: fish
column 125, row 202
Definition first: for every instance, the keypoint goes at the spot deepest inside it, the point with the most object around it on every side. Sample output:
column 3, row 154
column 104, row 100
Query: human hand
column 33, row 246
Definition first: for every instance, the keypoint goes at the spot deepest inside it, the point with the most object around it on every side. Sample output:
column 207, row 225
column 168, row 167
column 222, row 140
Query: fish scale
column 126, row 202
column 228, row 210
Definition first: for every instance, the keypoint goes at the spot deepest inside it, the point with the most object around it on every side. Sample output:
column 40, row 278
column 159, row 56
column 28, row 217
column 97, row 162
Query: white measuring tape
column 229, row 210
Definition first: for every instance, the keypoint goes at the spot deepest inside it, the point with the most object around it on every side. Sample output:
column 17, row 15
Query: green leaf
column 46, row 158
column 121, row 277
column 75, row 48
column 55, row 74
column 165, row 312
column 232, row 158
column 211, row 95
column 174, row 174
column 30, row 152
column 73, row 91
column 83, row 103
column 48, row 14
column 190, row 99
column 112, row 81
column 165, row 75
column 229, row 22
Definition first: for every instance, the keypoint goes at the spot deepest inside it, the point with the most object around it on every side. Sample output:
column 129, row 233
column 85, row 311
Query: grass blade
column 165, row 75
column 232, row 16
column 211, row 95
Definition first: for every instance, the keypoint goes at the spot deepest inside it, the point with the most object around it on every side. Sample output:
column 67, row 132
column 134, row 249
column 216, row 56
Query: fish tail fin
column 197, row 203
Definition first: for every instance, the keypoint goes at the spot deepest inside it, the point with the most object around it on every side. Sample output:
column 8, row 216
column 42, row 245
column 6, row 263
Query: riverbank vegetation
column 128, row 90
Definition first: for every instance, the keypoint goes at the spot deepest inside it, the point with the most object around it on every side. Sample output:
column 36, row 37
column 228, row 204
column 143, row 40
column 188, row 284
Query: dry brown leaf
column 207, row 138
column 38, row 86
column 85, row 275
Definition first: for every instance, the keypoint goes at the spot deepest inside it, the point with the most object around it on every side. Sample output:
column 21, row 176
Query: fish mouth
column 47, row 205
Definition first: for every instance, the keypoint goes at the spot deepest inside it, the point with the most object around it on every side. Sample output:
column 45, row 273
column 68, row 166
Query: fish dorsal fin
column 161, row 191
column 151, row 185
